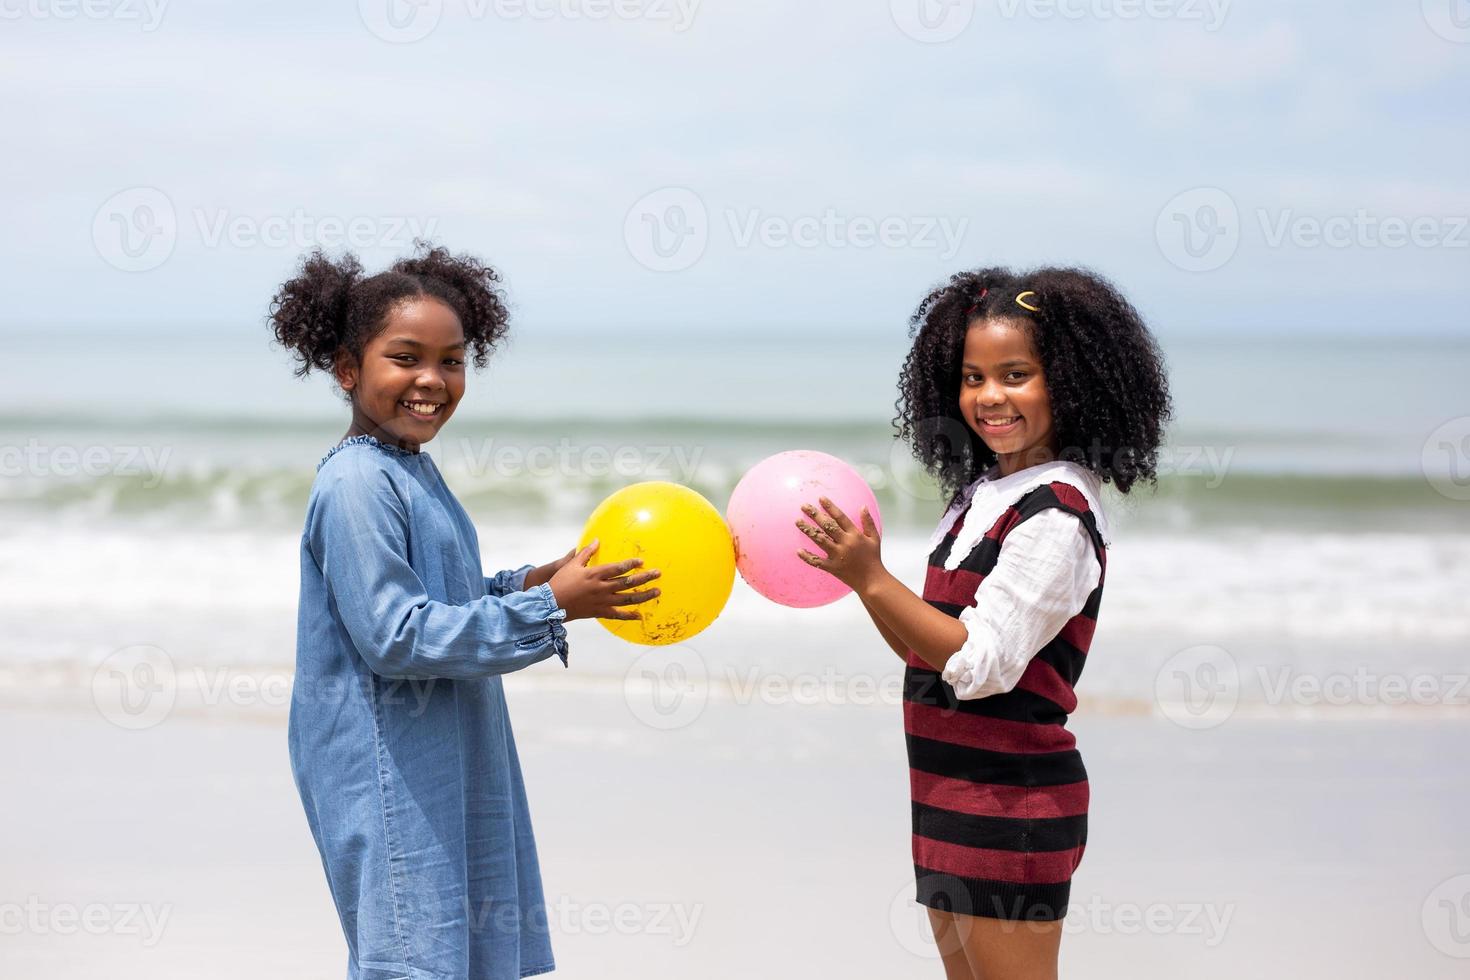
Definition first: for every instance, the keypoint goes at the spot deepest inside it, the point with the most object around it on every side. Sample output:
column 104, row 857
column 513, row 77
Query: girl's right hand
column 597, row 591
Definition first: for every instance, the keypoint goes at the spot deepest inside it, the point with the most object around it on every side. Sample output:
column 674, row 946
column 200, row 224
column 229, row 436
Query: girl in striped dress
column 1022, row 395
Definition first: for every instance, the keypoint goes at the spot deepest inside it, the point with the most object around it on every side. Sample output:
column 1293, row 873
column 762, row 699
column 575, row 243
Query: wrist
column 873, row 585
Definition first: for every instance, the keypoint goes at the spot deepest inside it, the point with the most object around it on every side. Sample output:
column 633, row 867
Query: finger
column 870, row 527
column 636, row 598
column 619, row 614
column 826, row 543
column 843, row 521
column 829, row 526
column 633, row 581
column 619, row 568
column 585, row 555
column 811, row 559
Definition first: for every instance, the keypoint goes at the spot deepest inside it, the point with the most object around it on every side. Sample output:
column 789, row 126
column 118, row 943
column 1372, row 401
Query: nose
column 430, row 380
column 990, row 393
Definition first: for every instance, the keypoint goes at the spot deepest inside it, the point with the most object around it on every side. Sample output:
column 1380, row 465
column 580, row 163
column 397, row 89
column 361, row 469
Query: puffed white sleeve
column 1045, row 571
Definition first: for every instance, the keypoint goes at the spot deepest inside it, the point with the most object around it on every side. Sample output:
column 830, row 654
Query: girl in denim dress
column 400, row 741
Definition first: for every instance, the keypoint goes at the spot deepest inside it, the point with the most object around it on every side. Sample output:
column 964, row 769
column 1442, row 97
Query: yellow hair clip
column 1021, row 301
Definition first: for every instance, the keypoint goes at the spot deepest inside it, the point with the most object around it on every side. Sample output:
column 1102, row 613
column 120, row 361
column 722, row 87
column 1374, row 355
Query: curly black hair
column 1104, row 374
column 330, row 307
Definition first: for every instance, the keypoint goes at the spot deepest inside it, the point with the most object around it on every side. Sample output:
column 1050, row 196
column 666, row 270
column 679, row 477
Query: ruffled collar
column 370, row 440
column 989, row 497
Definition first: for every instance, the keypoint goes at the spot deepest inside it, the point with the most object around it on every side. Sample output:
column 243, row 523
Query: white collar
column 990, row 496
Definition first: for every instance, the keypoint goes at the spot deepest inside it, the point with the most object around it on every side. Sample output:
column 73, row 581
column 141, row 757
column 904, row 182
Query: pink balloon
column 763, row 512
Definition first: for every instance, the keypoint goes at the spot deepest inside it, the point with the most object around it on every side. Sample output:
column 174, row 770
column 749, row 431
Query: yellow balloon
column 677, row 531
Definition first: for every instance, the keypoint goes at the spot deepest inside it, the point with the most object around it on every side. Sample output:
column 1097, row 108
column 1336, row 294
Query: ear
column 344, row 369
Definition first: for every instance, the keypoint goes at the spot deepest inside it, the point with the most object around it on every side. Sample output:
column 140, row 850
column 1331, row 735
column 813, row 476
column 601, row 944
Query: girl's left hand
column 853, row 553
column 542, row 573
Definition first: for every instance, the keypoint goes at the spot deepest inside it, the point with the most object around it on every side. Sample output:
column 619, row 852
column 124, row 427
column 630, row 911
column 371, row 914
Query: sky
column 1255, row 167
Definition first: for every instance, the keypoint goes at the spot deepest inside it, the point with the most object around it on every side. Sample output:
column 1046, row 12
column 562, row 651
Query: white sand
column 758, row 840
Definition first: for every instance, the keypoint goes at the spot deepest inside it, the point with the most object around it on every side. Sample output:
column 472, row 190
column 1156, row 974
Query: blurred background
column 714, row 220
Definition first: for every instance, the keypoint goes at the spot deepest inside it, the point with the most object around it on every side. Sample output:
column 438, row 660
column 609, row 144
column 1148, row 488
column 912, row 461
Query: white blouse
column 1042, row 577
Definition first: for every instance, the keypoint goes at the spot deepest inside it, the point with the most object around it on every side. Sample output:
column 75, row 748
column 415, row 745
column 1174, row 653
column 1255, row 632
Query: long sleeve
column 358, row 534
column 508, row 581
column 1045, row 571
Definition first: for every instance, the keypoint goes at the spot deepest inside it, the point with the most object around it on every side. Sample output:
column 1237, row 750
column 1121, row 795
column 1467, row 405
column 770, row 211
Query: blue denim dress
column 400, row 742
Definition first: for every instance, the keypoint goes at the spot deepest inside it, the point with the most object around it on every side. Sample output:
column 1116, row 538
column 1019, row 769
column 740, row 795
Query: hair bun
column 309, row 313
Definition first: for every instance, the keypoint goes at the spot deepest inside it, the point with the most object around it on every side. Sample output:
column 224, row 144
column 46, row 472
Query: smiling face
column 411, row 377
column 1003, row 395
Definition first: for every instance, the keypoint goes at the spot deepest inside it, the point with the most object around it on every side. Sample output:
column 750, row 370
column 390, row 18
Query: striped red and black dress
column 999, row 790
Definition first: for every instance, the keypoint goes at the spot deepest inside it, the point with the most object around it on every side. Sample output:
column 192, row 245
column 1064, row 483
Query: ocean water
column 1311, row 514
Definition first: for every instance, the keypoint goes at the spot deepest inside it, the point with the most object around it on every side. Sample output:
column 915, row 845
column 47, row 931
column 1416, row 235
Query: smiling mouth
column 996, row 425
column 423, row 410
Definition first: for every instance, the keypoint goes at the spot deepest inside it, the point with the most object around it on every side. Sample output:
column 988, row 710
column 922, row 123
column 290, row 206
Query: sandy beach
column 766, row 838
